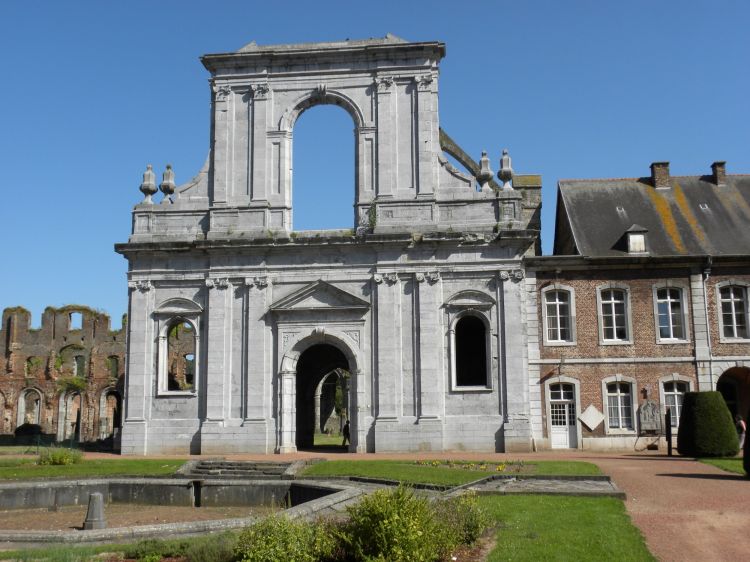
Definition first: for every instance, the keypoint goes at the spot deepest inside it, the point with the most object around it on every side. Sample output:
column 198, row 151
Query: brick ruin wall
column 51, row 374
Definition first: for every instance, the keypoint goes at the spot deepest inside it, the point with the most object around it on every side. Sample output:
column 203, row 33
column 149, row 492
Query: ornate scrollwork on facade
column 431, row 277
column 219, row 283
column 261, row 91
column 140, row 285
column 354, row 334
column 389, row 278
column 512, row 274
column 384, row 83
column 222, row 92
column 288, row 337
column 260, row 281
column 320, row 91
column 424, row 82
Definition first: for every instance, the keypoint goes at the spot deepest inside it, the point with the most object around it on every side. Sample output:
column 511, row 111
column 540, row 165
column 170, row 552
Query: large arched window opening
column 471, row 352
column 323, row 174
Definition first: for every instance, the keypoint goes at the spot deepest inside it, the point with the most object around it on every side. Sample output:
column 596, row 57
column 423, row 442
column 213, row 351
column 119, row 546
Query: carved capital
column 222, row 92
column 433, row 277
column 384, row 83
column 419, row 277
column 518, row 274
column 218, row 283
column 504, row 275
column 260, row 91
column 260, row 281
column 377, row 278
column 424, row 82
column 142, row 286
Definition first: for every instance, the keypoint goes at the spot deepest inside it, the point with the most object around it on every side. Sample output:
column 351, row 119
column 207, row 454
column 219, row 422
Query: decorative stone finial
column 167, row 184
column 148, row 187
column 485, row 172
column 506, row 171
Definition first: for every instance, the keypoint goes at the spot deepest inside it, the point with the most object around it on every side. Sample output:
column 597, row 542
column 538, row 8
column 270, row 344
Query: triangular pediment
column 319, row 296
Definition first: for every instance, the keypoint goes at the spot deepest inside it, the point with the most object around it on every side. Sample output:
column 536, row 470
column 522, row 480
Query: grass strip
column 22, row 469
column 563, row 528
column 409, row 472
column 729, row 464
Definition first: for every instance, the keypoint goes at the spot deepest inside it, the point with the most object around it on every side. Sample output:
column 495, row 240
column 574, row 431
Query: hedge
column 706, row 426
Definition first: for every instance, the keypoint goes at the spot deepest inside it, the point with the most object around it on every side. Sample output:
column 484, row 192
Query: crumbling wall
column 59, row 362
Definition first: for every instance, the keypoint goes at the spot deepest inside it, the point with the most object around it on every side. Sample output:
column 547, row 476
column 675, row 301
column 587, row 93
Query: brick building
column 645, row 298
column 66, row 376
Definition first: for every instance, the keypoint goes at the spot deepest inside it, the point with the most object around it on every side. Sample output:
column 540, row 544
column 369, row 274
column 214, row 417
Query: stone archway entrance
column 734, row 386
column 316, row 365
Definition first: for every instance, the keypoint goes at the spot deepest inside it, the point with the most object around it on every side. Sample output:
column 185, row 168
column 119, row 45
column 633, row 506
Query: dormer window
column 636, row 237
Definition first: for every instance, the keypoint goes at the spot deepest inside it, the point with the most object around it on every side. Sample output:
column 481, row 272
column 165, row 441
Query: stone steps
column 238, row 470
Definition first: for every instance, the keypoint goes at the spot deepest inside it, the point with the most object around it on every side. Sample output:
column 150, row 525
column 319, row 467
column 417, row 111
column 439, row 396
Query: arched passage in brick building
column 734, row 385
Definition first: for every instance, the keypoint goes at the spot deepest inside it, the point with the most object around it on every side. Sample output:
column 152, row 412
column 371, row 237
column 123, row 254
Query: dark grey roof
column 693, row 217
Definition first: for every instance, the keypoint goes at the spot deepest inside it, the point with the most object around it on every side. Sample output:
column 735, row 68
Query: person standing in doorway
column 346, row 434
column 741, row 429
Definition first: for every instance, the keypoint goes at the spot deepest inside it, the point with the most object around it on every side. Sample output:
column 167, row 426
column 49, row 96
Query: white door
column 562, row 417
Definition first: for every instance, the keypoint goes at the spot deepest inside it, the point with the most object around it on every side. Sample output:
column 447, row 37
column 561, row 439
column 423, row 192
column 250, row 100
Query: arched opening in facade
column 471, row 352
column 29, row 407
column 734, row 386
column 69, row 421
column 110, row 414
column 180, row 356
column 323, row 174
column 316, row 365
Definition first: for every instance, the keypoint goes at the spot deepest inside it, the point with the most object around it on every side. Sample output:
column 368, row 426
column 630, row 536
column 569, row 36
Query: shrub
column 59, row 456
column 706, row 426
column 462, row 518
column 393, row 525
column 278, row 538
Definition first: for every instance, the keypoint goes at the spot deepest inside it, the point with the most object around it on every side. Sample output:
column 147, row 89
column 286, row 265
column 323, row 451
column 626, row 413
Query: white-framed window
column 178, row 351
column 558, row 314
column 674, row 393
column 733, row 311
column 614, row 315
column 617, row 392
column 671, row 323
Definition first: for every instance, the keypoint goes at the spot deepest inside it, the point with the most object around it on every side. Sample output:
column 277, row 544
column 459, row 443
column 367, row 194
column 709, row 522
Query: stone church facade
column 421, row 303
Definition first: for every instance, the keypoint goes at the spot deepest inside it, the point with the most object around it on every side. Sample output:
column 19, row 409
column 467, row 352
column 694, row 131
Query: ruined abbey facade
column 433, row 324
column 420, row 303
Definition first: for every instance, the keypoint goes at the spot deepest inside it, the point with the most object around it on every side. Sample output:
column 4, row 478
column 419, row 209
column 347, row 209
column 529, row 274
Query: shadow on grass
column 706, row 476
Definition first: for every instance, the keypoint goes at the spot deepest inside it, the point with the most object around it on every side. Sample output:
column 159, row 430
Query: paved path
column 685, row 509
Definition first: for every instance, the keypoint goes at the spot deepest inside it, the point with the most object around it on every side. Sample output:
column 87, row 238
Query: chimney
column 660, row 175
column 719, row 170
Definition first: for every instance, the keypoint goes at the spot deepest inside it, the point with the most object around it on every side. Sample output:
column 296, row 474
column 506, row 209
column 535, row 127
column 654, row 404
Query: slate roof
column 693, row 217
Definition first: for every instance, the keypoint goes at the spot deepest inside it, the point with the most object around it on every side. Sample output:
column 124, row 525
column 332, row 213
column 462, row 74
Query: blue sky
column 93, row 91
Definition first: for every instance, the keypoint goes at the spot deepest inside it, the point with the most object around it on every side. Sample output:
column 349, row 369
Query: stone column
column 386, row 140
column 258, row 142
column 288, row 407
column 431, row 379
column 139, row 366
column 517, row 427
column 389, row 346
column 427, row 134
column 217, row 351
column 256, row 380
column 358, row 429
column 222, row 142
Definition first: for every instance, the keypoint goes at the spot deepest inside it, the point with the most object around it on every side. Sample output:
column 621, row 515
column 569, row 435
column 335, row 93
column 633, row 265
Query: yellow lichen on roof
column 661, row 205
column 687, row 212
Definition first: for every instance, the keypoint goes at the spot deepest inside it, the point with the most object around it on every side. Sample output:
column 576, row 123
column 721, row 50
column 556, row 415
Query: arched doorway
column 316, row 365
column 734, row 386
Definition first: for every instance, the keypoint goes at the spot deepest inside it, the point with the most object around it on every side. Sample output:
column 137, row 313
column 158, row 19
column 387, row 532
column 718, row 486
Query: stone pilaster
column 389, row 346
column 386, row 144
column 431, row 379
column 287, row 400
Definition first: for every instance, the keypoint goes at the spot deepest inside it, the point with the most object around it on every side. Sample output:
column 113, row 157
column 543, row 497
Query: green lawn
column 408, row 471
column 18, row 469
column 323, row 439
column 563, row 528
column 730, row 464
